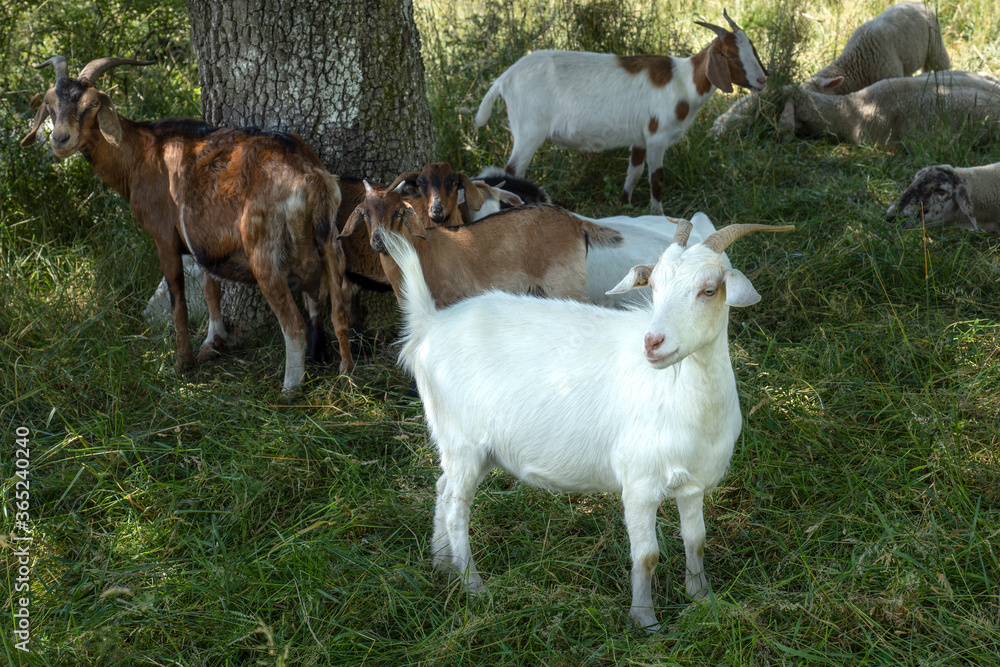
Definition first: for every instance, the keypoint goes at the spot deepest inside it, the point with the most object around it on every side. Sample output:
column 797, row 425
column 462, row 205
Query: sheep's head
column 79, row 111
column 440, row 186
column 733, row 58
column 936, row 195
column 692, row 291
column 386, row 209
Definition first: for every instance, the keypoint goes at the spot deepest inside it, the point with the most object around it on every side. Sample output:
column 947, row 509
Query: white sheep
column 645, row 237
column 966, row 197
column 893, row 109
column 576, row 398
column 899, row 41
column 597, row 101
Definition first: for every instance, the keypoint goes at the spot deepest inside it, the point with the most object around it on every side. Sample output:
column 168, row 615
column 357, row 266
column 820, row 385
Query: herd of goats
column 528, row 346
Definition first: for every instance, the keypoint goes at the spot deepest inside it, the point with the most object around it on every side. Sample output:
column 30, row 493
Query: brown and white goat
column 597, row 101
column 537, row 249
column 442, row 189
column 251, row 205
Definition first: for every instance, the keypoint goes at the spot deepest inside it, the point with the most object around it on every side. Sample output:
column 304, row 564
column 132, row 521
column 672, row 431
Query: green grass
column 201, row 520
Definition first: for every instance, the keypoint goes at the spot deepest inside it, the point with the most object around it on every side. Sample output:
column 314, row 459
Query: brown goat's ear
column 473, row 196
column 107, row 120
column 718, row 71
column 36, row 101
column 412, row 222
column 40, row 116
column 352, row 222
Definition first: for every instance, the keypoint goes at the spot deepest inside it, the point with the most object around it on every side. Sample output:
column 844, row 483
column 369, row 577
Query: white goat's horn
column 59, row 65
column 96, row 68
column 682, row 232
column 723, row 238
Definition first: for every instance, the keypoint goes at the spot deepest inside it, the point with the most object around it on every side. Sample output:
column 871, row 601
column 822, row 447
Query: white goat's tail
column 415, row 297
column 486, row 106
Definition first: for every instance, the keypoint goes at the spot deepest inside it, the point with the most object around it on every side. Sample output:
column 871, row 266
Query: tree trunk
column 345, row 75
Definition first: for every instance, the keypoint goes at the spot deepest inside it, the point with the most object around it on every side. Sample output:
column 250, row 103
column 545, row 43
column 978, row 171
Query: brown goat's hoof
column 183, row 363
column 208, row 352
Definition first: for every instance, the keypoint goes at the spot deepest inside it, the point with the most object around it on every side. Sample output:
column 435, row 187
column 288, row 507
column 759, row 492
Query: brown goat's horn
column 721, row 32
column 59, row 65
column 682, row 232
column 732, row 23
column 723, row 238
column 96, row 68
column 408, row 178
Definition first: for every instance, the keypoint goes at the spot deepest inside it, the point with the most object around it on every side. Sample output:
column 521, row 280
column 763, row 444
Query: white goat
column 645, row 237
column 967, row 197
column 596, row 101
column 899, row 41
column 575, row 398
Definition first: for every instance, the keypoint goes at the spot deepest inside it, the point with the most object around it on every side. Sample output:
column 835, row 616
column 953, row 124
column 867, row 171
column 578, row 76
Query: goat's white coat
column 572, row 397
column 645, row 238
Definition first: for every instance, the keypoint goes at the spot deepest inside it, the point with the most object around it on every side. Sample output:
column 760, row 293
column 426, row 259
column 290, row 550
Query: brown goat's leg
column 215, row 339
column 317, row 350
column 274, row 287
column 335, row 263
column 173, row 270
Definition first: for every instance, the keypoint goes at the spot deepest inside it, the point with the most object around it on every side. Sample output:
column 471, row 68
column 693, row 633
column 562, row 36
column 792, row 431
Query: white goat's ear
column 828, row 83
column 739, row 291
column 637, row 277
column 107, row 120
column 964, row 202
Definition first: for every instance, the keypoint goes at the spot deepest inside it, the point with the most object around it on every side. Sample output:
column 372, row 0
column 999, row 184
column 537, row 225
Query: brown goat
column 439, row 185
column 251, row 205
column 536, row 249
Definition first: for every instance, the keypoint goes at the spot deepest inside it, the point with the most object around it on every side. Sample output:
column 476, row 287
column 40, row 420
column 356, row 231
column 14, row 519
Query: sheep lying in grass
column 895, row 109
column 968, row 198
column 575, row 398
column 896, row 43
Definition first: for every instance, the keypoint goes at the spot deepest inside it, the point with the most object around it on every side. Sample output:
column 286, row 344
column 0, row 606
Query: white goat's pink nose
column 652, row 341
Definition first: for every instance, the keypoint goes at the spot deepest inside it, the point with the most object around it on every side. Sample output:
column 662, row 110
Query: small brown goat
column 251, row 205
column 537, row 249
column 440, row 187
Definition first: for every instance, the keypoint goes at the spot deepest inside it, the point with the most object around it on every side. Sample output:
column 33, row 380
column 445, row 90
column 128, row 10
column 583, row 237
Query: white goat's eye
column 708, row 291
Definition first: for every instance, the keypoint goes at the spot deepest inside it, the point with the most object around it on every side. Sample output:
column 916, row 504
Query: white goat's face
column 692, row 291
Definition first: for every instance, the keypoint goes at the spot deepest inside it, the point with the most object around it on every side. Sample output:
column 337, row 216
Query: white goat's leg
column 215, row 339
column 640, row 521
column 636, row 165
column 526, row 144
column 692, row 517
column 654, row 158
column 460, row 489
column 440, row 543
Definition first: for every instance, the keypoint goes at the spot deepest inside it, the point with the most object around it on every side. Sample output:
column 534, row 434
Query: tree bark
column 345, row 75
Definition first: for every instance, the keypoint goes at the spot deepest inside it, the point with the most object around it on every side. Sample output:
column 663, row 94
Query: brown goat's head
column 387, row 209
column 78, row 109
column 439, row 185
